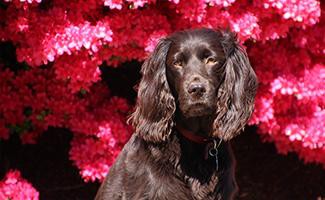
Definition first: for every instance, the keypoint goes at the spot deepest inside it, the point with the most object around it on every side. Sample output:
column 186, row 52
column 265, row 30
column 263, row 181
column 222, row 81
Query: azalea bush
column 61, row 45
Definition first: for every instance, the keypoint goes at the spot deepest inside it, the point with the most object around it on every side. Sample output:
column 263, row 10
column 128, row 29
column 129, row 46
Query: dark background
column 262, row 174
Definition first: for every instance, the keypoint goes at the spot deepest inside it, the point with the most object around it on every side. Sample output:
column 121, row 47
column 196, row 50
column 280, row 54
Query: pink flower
column 246, row 26
column 308, row 11
column 153, row 40
column 114, row 4
column 224, row 3
column 16, row 188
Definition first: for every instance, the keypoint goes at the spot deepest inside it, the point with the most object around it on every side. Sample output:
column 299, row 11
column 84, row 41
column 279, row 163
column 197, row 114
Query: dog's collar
column 193, row 137
column 212, row 145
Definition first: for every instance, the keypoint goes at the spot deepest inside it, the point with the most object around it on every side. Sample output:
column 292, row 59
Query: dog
column 196, row 93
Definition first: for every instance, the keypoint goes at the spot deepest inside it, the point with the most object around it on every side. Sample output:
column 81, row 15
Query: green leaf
column 28, row 111
column 83, row 91
column 40, row 117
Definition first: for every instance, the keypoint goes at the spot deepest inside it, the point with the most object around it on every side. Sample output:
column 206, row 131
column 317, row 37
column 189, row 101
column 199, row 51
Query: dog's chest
column 172, row 179
column 181, row 188
column 204, row 191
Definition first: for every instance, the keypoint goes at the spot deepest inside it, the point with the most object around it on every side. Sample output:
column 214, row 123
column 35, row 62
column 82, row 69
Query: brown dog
column 196, row 93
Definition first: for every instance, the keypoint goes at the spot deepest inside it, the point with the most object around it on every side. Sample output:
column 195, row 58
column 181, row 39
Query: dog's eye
column 178, row 64
column 211, row 61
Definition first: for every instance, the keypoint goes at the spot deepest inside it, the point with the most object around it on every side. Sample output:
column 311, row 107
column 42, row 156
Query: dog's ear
column 153, row 116
column 235, row 100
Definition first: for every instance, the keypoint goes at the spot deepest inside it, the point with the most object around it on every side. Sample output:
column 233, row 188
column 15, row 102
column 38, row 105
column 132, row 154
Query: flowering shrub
column 16, row 188
column 63, row 43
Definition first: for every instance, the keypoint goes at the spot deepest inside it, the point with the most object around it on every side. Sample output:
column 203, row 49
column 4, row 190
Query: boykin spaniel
column 196, row 93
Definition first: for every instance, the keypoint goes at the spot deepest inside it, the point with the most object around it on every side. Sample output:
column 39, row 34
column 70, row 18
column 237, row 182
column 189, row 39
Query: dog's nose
column 196, row 89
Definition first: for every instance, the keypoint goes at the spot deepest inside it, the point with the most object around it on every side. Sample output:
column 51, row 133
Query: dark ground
column 262, row 174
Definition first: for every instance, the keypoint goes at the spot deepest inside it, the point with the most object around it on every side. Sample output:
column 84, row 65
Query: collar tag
column 213, row 152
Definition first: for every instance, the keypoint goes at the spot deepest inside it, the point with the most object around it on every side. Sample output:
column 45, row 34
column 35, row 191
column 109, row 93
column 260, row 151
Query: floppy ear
column 236, row 94
column 153, row 116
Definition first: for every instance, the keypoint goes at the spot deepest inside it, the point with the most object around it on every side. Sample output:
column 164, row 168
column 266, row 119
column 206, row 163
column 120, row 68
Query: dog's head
column 201, row 72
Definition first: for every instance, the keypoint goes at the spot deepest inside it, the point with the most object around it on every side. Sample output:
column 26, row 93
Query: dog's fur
column 202, row 81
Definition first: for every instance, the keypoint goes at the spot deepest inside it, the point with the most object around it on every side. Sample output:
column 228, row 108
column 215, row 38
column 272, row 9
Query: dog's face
column 195, row 70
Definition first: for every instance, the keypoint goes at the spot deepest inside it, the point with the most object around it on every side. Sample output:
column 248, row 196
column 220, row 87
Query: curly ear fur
column 236, row 94
column 153, row 116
